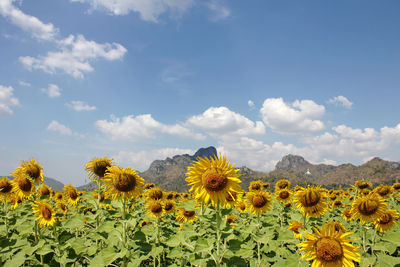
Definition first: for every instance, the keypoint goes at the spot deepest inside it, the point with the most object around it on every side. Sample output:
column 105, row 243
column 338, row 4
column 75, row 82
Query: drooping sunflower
column 44, row 213
column 232, row 198
column 154, row 208
column 32, row 169
column 283, row 195
column 294, row 226
column 282, row 184
column 346, row 214
column 5, row 188
column 259, row 202
column 23, row 186
column 211, row 179
column 383, row 190
column 44, row 190
column 186, row 216
column 155, row 193
column 387, row 221
column 71, row 194
column 256, row 186
column 169, row 206
column 122, row 182
column 311, row 201
column 97, row 167
column 368, row 208
column 336, row 226
column 329, row 248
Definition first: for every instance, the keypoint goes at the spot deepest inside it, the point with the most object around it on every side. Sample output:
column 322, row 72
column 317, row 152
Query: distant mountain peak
column 290, row 162
column 205, row 152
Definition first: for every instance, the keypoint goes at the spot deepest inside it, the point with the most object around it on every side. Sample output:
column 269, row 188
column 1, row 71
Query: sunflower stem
column 258, row 243
column 98, row 208
column 124, row 228
column 5, row 217
column 373, row 242
column 364, row 239
column 218, row 217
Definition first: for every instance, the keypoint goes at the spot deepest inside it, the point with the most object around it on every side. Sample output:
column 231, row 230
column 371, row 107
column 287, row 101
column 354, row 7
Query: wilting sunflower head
column 122, row 182
column 30, row 168
column 256, row 186
column 156, row 193
column 97, row 167
column 294, row 226
column 169, row 206
column 211, row 179
column 6, row 188
column 387, row 220
column 336, row 226
column 72, row 194
column 329, row 248
column 44, row 190
column 282, row 184
column 383, row 190
column 362, row 184
column 186, row 216
column 44, row 213
column 259, row 202
column 346, row 214
column 311, row 201
column 23, row 186
column 368, row 208
column 154, row 208
column 283, row 195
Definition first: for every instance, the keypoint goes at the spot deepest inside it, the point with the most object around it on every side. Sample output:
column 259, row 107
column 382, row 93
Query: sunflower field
column 128, row 222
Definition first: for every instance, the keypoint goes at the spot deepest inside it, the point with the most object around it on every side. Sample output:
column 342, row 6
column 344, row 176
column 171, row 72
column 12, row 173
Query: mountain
column 51, row 182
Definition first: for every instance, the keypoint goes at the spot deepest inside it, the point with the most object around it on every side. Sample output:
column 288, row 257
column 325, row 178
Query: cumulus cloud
column 30, row 24
column 149, row 10
column 299, row 117
column 142, row 127
column 80, row 106
column 218, row 9
column 74, row 57
column 62, row 129
column 341, row 101
column 221, row 120
column 7, row 100
column 52, row 91
column 141, row 160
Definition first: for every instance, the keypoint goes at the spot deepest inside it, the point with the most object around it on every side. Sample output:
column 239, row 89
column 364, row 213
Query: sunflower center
column 386, row 218
column 328, row 249
column 242, row 206
column 59, row 196
column 157, row 194
column 256, row 186
column 383, row 191
column 363, row 185
column 125, row 182
column 100, row 168
column 368, row 207
column 168, row 206
column 259, row 201
column 62, row 206
column 230, row 197
column 283, row 184
column 284, row 194
column 144, row 223
column 44, row 191
column 46, row 212
column 25, row 184
column 5, row 187
column 188, row 213
column 230, row 219
column 396, row 186
column 33, row 171
column 156, row 208
column 311, row 198
column 72, row 194
column 214, row 181
column 170, row 196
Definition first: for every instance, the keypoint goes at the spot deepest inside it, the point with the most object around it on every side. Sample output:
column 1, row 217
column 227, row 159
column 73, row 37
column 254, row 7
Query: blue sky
column 144, row 80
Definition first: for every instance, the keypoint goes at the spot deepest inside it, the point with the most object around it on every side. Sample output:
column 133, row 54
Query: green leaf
column 244, row 253
column 106, row 227
column 77, row 245
column 367, row 261
column 46, row 249
column 393, row 237
column 104, row 257
column 76, row 222
column 201, row 245
column 17, row 260
column 387, row 261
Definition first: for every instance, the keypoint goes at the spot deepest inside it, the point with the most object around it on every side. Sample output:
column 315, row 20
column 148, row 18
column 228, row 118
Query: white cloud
column 292, row 119
column 55, row 126
column 141, row 127
column 221, row 120
column 26, row 22
column 7, row 100
column 149, row 10
column 74, row 56
column 52, row 91
column 250, row 103
column 218, row 9
column 174, row 72
column 141, row 160
column 80, row 106
column 356, row 134
column 26, row 84
column 341, row 101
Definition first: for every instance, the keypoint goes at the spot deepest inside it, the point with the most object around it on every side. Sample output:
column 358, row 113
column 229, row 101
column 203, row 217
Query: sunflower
column 44, row 190
column 148, row 186
column 259, row 202
column 256, row 186
column 294, row 226
column 155, row 193
column 362, row 184
column 122, row 182
column 283, row 195
column 337, row 204
column 387, row 221
column 186, row 216
column 44, row 213
column 23, row 186
column 15, row 201
column 266, row 186
column 170, row 195
column 96, row 196
column 241, row 206
column 169, row 206
column 282, row 184
column 61, row 208
column 396, row 187
column 364, row 192
column 232, row 198
column 154, row 208
column 336, row 227
column 144, row 223
column 58, row 197
column 211, row 179
column 97, row 167
column 346, row 214
column 311, row 201
column 6, row 188
column 329, row 248
column 383, row 190
column 32, row 169
column 231, row 220
column 72, row 194
column 368, row 208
